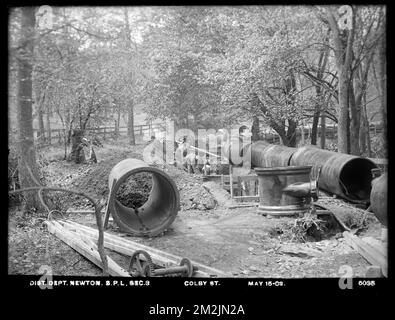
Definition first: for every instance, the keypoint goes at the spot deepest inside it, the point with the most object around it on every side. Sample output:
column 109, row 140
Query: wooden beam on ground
column 336, row 211
column 84, row 247
column 128, row 247
column 369, row 251
column 76, row 211
column 243, row 205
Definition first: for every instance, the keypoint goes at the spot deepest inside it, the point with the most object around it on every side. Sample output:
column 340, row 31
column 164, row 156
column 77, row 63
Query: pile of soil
column 192, row 193
column 134, row 192
column 93, row 179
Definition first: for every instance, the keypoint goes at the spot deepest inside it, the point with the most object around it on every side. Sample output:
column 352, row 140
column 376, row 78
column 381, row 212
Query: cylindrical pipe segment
column 345, row 175
column 232, row 151
column 378, row 198
column 266, row 155
column 155, row 215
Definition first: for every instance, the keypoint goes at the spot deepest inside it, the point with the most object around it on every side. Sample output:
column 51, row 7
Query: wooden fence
column 57, row 135
column 147, row 129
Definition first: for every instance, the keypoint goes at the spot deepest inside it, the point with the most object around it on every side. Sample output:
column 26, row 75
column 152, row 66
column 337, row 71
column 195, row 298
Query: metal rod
column 171, row 270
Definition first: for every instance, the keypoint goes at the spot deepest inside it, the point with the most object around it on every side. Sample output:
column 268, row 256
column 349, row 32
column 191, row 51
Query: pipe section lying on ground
column 154, row 216
column 345, row 175
column 378, row 198
column 342, row 174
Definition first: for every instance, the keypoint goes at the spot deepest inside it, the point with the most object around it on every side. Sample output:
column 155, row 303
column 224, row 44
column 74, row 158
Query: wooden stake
column 231, row 180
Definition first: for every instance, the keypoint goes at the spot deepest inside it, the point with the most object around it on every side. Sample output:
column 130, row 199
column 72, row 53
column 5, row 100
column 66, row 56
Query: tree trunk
column 382, row 75
column 288, row 138
column 291, row 133
column 132, row 140
column 27, row 166
column 48, row 120
column 366, row 128
column 77, row 153
column 41, row 128
column 323, row 131
column 315, row 126
column 343, row 40
column 362, row 134
column 342, row 125
column 255, row 129
column 320, row 107
column 355, row 115
column 348, row 133
column 117, row 122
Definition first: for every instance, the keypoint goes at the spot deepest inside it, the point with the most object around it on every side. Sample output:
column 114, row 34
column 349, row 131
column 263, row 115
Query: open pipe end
column 156, row 214
column 356, row 179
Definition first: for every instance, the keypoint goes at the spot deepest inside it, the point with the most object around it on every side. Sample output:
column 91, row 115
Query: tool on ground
column 145, row 267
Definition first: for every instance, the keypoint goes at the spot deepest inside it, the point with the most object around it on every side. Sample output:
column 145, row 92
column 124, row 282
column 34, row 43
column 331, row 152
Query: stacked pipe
column 345, row 175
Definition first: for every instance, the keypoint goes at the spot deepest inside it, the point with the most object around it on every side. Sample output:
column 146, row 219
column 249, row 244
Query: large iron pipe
column 271, row 155
column 154, row 216
column 378, row 198
column 345, row 175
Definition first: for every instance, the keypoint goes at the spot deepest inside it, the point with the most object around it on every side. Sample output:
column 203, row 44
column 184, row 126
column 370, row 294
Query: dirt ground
column 238, row 241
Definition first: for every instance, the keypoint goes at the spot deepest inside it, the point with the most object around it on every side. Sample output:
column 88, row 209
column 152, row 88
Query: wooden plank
column 377, row 245
column 76, row 211
column 159, row 257
column 243, row 205
column 371, row 254
column 248, row 178
column 113, row 268
column 246, row 198
column 226, row 178
column 76, row 242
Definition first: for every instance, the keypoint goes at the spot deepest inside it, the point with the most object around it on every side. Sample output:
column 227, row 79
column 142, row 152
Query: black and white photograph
column 198, row 142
